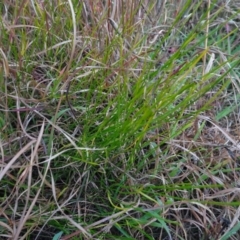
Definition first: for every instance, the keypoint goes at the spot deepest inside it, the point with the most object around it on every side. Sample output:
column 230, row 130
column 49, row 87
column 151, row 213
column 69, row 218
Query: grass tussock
column 119, row 119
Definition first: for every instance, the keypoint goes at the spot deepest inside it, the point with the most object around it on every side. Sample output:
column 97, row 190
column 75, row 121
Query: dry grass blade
column 227, row 136
column 27, row 208
column 15, row 158
column 5, row 63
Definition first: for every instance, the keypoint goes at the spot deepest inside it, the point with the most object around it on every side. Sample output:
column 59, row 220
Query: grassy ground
column 119, row 119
